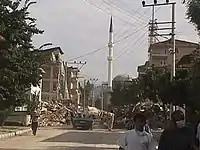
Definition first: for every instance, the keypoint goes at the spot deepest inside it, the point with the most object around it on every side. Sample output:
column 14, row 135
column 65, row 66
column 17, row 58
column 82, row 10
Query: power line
column 99, row 49
column 131, row 34
column 120, row 9
column 132, row 10
column 108, row 12
column 131, row 27
column 134, row 23
column 126, row 23
column 90, row 53
column 126, row 50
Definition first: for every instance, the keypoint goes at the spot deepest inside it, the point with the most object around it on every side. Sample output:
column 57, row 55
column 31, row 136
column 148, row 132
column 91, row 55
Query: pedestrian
column 34, row 122
column 138, row 138
column 111, row 118
column 147, row 128
column 177, row 136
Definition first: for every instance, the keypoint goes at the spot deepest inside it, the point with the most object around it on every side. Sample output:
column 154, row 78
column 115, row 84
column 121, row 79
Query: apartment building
column 161, row 56
column 54, row 77
column 73, row 84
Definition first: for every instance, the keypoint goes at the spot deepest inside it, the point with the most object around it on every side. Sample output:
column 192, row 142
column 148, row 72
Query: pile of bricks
column 54, row 114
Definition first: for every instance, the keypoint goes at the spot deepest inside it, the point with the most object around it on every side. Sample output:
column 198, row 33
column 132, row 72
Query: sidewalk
column 11, row 131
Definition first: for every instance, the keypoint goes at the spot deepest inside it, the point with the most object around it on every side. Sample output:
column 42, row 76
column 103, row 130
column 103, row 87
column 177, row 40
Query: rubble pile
column 153, row 111
column 53, row 114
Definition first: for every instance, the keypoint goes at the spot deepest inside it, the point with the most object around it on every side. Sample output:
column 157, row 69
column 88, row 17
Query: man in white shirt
column 138, row 138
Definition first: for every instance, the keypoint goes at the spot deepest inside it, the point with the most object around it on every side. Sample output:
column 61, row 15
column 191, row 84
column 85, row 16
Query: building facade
column 54, row 78
column 161, row 55
column 73, row 84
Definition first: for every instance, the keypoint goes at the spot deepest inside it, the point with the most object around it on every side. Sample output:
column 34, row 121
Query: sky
column 80, row 27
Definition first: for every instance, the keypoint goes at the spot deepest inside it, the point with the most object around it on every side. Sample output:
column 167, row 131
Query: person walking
column 34, row 122
column 111, row 118
column 138, row 138
column 177, row 136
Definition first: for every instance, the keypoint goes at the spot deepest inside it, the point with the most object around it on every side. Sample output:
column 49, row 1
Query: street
column 64, row 139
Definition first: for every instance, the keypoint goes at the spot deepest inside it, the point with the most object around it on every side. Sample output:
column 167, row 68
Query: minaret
column 110, row 56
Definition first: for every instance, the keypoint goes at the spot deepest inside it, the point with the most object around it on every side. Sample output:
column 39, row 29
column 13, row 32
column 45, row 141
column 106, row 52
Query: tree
column 127, row 94
column 193, row 11
column 19, row 66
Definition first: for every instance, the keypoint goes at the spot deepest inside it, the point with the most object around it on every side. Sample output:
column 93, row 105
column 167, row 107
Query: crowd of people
column 177, row 135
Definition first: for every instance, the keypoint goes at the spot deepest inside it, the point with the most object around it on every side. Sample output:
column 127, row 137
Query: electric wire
column 113, row 5
column 126, row 50
column 119, row 18
column 126, row 23
column 143, row 14
column 99, row 49
column 132, row 10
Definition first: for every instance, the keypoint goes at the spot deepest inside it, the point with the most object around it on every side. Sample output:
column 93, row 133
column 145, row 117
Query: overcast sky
column 79, row 27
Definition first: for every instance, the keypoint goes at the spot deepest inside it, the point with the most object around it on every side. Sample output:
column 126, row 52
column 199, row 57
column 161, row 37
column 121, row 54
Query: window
column 57, row 57
column 45, row 86
column 55, row 72
column 55, row 85
column 47, row 73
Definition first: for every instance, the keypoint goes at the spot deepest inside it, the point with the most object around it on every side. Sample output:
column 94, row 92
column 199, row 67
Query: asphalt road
column 64, row 139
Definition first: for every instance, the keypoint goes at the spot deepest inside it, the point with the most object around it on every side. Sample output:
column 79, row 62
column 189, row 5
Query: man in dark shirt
column 178, row 136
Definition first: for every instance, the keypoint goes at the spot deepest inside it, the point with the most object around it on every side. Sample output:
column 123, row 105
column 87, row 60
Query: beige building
column 73, row 84
column 161, row 53
column 54, row 79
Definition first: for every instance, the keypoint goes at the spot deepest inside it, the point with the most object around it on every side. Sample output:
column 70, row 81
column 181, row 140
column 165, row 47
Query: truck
column 81, row 122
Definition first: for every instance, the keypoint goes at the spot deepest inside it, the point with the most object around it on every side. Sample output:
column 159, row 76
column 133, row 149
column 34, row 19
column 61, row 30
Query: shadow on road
column 86, row 138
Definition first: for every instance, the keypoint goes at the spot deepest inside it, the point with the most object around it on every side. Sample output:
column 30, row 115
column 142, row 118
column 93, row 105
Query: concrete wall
column 20, row 117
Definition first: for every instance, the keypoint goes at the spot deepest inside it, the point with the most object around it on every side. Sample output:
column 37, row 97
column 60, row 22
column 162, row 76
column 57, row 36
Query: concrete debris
column 53, row 114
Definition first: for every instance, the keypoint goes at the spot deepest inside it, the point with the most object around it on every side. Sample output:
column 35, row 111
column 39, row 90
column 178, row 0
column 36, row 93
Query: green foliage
column 182, row 90
column 127, row 94
column 193, row 11
column 157, row 86
column 19, row 65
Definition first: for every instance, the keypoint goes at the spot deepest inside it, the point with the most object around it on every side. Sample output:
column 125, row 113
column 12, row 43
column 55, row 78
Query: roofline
column 176, row 40
column 54, row 48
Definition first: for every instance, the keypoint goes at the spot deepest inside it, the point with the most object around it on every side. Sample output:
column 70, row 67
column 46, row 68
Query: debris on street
column 53, row 113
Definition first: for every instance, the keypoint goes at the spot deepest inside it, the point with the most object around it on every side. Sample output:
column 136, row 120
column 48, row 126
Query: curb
column 12, row 134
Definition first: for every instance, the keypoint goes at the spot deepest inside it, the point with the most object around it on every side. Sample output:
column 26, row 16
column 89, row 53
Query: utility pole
column 93, row 83
column 84, row 95
column 78, row 63
column 172, row 34
column 102, row 99
column 151, row 28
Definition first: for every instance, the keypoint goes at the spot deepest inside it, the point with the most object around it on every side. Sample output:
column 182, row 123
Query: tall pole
column 173, row 46
column 102, row 96
column 93, row 98
column 110, row 56
column 173, row 52
column 151, row 33
column 102, row 99
column 84, row 96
